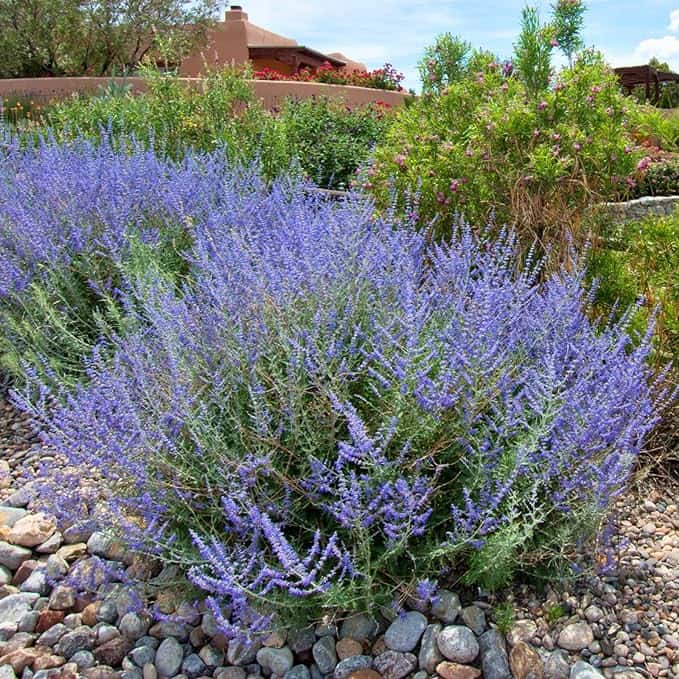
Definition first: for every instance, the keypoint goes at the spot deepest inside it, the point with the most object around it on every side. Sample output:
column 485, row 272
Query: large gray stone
column 395, row 665
column 276, row 660
column 193, row 666
column 12, row 556
column 80, row 639
column 7, row 672
column 557, row 665
column 353, row 664
column 142, row 655
column 10, row 515
column 301, row 640
column 240, row 653
column 576, row 636
column 298, row 672
column 430, row 656
column 494, row 659
column 324, row 654
column 133, row 625
column 583, row 670
column 405, row 632
column 37, row 583
column 360, row 627
column 15, row 606
column 458, row 643
column 475, row 619
column 169, row 657
column 446, row 606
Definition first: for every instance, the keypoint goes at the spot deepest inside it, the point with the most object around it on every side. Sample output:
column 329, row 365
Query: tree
column 96, row 37
column 444, row 63
column 567, row 21
column 533, row 52
column 449, row 60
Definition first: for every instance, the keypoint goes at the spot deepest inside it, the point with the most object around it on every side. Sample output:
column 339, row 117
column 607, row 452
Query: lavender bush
column 331, row 411
column 76, row 221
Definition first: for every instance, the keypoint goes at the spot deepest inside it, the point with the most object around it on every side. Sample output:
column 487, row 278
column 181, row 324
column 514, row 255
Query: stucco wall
column 272, row 93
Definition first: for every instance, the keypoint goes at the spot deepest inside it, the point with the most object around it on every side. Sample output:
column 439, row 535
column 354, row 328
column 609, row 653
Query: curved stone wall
column 639, row 208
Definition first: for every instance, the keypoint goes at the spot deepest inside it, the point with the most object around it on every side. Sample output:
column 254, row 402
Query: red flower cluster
column 385, row 78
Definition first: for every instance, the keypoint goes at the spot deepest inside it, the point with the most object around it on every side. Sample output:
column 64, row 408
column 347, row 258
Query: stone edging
column 647, row 206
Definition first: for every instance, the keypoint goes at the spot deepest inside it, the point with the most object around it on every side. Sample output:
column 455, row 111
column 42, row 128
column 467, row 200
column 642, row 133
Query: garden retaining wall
column 272, row 93
column 648, row 206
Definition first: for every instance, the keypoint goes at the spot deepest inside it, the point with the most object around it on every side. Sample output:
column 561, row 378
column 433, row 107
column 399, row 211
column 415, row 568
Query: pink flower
column 454, row 185
column 596, row 89
column 542, row 106
column 630, row 182
column 554, row 42
column 577, row 146
column 643, row 164
column 400, row 159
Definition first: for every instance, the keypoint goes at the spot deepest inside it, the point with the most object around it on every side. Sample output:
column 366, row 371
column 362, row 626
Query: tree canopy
column 96, row 37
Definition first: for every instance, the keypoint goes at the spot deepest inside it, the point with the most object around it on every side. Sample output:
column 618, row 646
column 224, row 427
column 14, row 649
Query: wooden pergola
column 633, row 76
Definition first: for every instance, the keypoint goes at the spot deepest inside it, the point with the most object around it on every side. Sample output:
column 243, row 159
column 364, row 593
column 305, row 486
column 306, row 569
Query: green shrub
column 639, row 262
column 655, row 127
column 661, row 179
column 170, row 117
column 329, row 139
column 326, row 139
column 484, row 148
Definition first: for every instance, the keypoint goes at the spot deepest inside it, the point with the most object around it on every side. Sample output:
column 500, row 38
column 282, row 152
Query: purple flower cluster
column 330, row 401
column 59, row 202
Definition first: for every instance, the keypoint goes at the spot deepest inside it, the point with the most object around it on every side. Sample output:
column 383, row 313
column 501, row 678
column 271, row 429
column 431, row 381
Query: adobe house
column 235, row 40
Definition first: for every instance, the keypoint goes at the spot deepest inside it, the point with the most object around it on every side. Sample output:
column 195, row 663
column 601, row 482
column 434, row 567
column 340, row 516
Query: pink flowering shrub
column 385, row 78
column 484, row 147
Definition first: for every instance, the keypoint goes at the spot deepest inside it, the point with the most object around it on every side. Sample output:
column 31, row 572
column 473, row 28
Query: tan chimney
column 235, row 13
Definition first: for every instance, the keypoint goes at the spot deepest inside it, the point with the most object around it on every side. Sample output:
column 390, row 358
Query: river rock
column 32, row 530
column 475, row 619
column 405, row 632
column 353, row 664
column 446, row 606
column 458, row 643
column 169, row 657
column 15, row 606
column 430, row 656
column 576, row 636
column 525, row 662
column 324, row 654
column 394, row 664
column 453, row 670
column 360, row 627
column 276, row 660
column 494, row 660
column 557, row 666
column 583, row 670
column 12, row 556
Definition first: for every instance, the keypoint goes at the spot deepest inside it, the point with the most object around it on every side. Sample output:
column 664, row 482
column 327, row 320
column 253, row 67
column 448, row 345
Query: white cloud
column 665, row 49
column 674, row 21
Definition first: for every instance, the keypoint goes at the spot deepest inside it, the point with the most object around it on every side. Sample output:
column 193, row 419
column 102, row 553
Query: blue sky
column 627, row 31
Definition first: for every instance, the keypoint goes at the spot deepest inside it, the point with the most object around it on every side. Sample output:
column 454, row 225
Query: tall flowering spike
column 324, row 400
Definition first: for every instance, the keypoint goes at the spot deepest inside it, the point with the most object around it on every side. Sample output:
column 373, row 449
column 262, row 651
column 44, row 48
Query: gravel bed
column 624, row 624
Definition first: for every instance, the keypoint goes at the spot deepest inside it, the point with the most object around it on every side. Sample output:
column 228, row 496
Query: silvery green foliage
column 330, row 403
